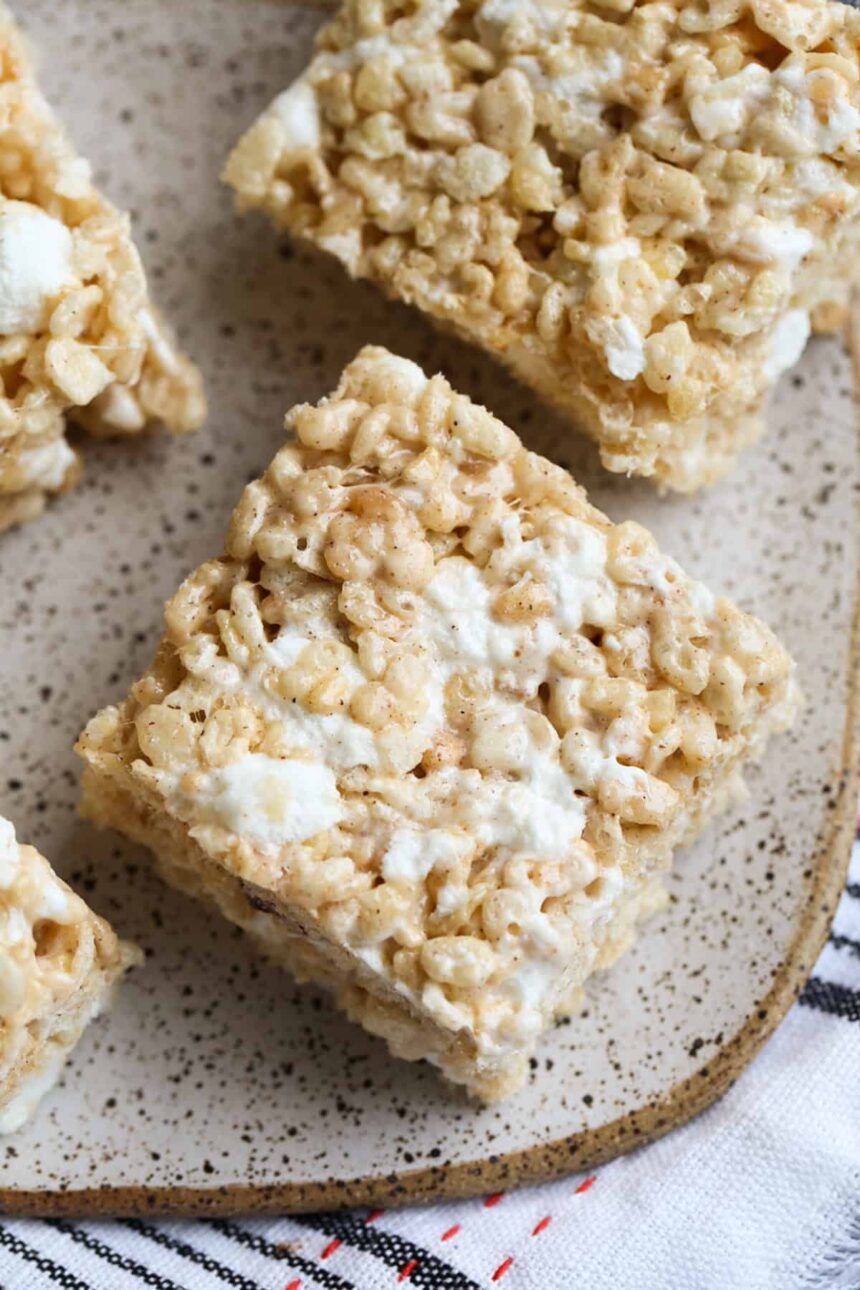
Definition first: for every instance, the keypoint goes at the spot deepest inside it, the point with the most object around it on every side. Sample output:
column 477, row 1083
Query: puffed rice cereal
column 79, row 336
column 59, row 964
column 642, row 206
column 432, row 727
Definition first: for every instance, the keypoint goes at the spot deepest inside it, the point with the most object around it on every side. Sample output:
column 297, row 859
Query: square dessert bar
column 432, row 727
column 59, row 964
column 78, row 334
column 641, row 206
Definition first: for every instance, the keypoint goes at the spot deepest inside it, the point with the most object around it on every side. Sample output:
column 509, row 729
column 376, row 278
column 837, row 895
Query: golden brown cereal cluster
column 78, row 334
column 58, row 962
column 439, row 714
column 642, row 206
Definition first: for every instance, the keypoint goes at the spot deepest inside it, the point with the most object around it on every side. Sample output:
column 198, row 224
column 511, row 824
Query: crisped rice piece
column 641, row 206
column 432, row 727
column 59, row 964
column 79, row 337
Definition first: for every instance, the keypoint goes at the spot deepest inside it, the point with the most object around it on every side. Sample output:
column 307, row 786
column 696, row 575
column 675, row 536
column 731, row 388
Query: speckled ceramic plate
column 217, row 1085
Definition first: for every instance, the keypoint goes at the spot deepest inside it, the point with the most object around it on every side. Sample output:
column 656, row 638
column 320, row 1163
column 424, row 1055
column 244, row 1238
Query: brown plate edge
column 579, row 1151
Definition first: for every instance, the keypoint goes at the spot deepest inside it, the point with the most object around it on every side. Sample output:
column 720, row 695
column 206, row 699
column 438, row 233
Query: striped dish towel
column 762, row 1192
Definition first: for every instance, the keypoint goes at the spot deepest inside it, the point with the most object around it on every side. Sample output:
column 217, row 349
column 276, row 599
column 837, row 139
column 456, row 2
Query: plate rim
column 586, row 1148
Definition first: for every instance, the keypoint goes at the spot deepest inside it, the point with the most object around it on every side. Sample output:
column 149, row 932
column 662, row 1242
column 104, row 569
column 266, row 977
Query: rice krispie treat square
column 641, row 206
column 432, row 727
column 59, row 964
column 79, row 336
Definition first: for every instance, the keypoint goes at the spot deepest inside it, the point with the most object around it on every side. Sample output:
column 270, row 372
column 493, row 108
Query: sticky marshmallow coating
column 433, row 725
column 58, row 965
column 79, row 337
column 623, row 201
column 35, row 265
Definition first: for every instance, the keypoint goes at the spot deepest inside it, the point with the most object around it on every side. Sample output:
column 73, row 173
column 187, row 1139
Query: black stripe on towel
column 143, row 1275
column 826, row 996
column 427, row 1272
column 321, row 1276
column 228, row 1276
column 845, row 943
column 59, row 1275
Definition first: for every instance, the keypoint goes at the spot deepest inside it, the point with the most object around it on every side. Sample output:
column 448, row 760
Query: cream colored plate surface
column 216, row 1083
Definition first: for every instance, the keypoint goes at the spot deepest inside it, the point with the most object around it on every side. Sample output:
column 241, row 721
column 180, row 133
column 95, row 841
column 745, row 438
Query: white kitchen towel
column 762, row 1192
